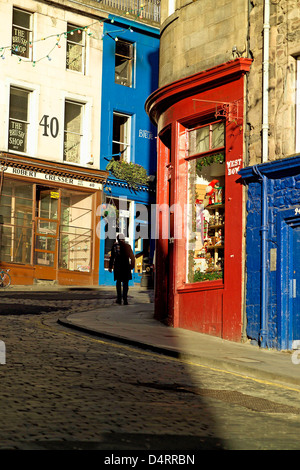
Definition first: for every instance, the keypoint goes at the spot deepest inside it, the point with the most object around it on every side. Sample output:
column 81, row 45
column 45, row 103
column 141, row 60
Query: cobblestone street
column 62, row 389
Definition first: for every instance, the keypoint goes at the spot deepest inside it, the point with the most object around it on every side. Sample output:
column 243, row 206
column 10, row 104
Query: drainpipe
column 265, row 97
column 263, row 335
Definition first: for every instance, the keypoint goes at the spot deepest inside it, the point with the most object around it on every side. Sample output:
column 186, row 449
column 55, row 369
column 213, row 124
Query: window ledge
column 201, row 286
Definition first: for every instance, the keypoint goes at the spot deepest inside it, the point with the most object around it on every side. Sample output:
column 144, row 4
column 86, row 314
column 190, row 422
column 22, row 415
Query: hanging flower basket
column 132, row 173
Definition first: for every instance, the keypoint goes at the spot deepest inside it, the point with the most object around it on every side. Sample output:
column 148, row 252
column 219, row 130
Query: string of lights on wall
column 86, row 29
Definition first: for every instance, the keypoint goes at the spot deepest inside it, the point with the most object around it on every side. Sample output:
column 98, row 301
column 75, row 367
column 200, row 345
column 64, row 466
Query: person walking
column 122, row 262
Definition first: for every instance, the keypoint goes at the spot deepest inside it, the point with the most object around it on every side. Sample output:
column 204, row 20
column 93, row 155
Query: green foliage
column 206, row 161
column 132, row 173
column 212, row 276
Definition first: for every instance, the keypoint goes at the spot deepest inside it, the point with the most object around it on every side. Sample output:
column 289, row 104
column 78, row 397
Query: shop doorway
column 288, row 278
column 295, row 283
column 46, row 233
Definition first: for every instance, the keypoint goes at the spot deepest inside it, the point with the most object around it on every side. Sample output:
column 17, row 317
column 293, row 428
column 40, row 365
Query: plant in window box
column 208, row 276
column 132, row 173
column 209, row 160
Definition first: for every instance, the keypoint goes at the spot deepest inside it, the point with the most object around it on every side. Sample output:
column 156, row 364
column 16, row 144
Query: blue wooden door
column 295, row 284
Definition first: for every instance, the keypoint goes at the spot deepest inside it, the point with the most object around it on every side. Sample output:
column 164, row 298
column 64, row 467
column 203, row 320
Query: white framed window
column 121, row 136
column 76, row 46
column 21, row 44
column 18, row 119
column 73, row 131
column 124, row 62
column 298, row 106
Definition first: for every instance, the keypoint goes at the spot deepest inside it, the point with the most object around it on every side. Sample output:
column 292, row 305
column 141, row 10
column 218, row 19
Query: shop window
column 124, row 63
column 73, row 131
column 75, row 231
column 16, row 222
column 206, row 214
column 18, row 119
column 22, row 33
column 121, row 136
column 75, row 49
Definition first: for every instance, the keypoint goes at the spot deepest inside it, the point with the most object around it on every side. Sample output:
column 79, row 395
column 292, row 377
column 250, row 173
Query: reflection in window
column 21, row 33
column 121, row 137
column 206, row 215
column 16, row 222
column 123, row 63
column 76, row 231
column 75, row 49
column 73, row 131
column 206, row 221
column 206, row 138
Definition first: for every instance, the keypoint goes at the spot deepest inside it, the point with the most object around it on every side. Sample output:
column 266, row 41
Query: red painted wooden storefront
column 191, row 115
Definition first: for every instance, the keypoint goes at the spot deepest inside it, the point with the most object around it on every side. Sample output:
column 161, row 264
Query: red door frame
column 213, row 307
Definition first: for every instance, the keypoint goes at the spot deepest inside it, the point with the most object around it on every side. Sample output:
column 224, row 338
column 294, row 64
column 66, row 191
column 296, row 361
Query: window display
column 206, row 215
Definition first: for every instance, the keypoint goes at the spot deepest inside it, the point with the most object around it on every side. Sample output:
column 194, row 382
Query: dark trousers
column 119, row 290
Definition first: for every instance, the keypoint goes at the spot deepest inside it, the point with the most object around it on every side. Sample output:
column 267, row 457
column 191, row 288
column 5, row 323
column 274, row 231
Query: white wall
column 49, row 80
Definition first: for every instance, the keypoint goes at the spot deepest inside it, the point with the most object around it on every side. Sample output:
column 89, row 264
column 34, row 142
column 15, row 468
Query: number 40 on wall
column 50, row 126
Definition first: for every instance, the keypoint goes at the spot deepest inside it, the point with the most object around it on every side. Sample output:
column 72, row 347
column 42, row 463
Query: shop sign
column 52, row 178
column 17, row 136
column 234, row 166
column 145, row 134
column 20, row 41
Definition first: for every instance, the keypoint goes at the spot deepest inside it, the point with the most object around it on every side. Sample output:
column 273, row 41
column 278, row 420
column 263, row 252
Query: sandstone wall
column 200, row 35
column 284, row 49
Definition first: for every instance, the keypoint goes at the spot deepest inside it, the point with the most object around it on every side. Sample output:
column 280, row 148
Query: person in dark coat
column 122, row 262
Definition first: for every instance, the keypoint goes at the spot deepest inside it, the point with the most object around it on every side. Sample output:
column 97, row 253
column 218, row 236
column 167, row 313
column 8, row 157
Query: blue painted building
column 130, row 75
column 273, row 252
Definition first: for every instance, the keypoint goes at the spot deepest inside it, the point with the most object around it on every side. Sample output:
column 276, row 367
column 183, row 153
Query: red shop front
column 199, row 256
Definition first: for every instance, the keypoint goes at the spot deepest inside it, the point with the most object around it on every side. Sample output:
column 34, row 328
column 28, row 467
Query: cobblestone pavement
column 61, row 389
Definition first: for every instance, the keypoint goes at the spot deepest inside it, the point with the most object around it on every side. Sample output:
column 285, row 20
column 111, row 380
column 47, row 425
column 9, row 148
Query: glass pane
column 75, row 249
column 73, row 117
column 74, row 57
column 218, row 135
column 44, row 259
column 75, row 231
column 198, row 140
column 124, row 48
column 21, row 18
column 48, row 205
column 206, row 217
column 21, row 34
column 75, row 34
column 46, row 227
column 17, row 136
column 18, row 106
column 72, row 148
column 16, row 222
column 20, row 42
column 44, row 243
column 123, row 63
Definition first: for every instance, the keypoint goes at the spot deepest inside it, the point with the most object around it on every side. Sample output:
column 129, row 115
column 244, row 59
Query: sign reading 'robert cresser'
column 52, row 178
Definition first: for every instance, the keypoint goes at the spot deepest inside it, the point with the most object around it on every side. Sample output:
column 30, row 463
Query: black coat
column 122, row 261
